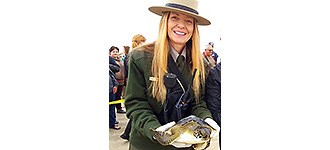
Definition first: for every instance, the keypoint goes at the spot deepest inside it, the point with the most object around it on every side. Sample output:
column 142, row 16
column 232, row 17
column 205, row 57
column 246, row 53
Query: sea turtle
column 189, row 130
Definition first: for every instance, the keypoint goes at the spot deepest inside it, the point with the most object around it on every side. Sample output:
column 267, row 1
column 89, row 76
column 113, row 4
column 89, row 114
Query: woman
column 137, row 40
column 120, row 76
column 113, row 84
column 152, row 92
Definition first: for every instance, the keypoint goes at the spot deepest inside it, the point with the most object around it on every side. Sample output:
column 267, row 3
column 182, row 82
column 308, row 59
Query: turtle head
column 202, row 132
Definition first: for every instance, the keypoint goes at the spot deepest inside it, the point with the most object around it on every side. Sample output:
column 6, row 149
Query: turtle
column 189, row 130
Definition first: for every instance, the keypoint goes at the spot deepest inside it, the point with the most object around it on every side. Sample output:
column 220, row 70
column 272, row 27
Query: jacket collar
column 175, row 54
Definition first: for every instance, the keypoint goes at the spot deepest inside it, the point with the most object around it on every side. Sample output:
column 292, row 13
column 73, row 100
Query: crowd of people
column 118, row 74
column 166, row 80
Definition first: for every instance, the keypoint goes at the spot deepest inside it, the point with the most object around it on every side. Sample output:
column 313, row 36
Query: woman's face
column 180, row 29
column 114, row 53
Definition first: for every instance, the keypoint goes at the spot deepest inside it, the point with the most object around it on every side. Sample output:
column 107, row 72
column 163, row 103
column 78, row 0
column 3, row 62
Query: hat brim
column 160, row 9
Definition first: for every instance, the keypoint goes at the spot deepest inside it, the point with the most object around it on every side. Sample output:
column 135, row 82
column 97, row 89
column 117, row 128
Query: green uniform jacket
column 142, row 108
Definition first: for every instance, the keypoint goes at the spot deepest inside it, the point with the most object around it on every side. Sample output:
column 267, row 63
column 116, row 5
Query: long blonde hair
column 160, row 60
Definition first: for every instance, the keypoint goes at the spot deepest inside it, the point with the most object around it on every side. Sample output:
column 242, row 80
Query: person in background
column 137, row 40
column 208, row 57
column 213, row 95
column 113, row 84
column 125, row 60
column 214, row 54
column 119, row 76
column 163, row 71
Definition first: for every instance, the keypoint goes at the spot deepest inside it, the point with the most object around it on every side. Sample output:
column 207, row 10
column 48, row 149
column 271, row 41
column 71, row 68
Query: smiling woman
column 167, row 77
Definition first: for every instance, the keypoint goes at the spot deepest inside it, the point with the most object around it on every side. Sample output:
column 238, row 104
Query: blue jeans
column 112, row 113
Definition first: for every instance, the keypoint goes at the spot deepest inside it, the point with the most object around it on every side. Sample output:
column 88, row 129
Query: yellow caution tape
column 116, row 102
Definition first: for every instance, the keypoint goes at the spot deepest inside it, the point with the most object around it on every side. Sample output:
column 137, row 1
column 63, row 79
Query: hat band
column 182, row 7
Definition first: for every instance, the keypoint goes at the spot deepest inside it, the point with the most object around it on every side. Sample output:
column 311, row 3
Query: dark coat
column 114, row 67
column 112, row 80
column 213, row 93
column 142, row 108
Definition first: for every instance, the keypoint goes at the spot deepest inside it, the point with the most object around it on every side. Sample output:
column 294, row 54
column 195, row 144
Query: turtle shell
column 189, row 130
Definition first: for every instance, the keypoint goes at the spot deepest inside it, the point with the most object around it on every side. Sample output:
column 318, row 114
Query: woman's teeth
column 180, row 33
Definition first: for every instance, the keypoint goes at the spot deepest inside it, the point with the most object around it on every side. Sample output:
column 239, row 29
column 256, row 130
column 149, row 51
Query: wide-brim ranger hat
column 187, row 7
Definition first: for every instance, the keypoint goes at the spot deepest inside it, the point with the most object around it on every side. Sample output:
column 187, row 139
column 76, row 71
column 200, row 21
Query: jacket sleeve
column 213, row 93
column 138, row 108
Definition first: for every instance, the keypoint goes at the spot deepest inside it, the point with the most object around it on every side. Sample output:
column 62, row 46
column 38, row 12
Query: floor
column 116, row 143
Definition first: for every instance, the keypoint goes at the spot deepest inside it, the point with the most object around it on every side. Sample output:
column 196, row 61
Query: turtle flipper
column 163, row 137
